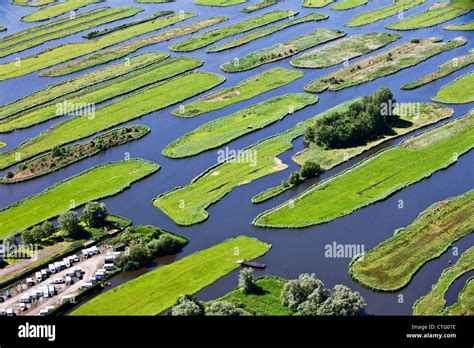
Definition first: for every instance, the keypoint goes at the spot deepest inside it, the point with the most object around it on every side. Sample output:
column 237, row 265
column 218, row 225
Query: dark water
column 293, row 251
column 456, row 287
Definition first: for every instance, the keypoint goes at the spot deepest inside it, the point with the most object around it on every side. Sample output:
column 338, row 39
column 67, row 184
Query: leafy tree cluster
column 37, row 233
column 309, row 170
column 188, row 305
column 95, row 214
column 70, row 224
column 247, row 281
column 308, row 296
column 366, row 119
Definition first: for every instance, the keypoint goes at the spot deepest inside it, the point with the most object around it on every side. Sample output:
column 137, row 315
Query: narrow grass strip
column 208, row 38
column 391, row 265
column 245, row 90
column 259, row 6
column 464, row 26
column 58, row 9
column 348, row 4
column 96, row 183
column 2, row 28
column 316, row 3
column 459, row 91
column 157, row 290
column 219, row 3
column 33, row 3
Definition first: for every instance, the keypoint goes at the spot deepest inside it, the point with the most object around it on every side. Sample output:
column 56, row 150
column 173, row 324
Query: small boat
column 251, row 264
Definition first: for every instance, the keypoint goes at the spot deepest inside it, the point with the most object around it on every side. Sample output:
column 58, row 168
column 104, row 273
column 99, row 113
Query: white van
column 39, row 277
column 86, row 285
column 30, row 281
column 69, row 280
column 52, row 268
column 44, row 273
column 58, row 281
column 109, row 266
column 51, row 290
column 45, row 292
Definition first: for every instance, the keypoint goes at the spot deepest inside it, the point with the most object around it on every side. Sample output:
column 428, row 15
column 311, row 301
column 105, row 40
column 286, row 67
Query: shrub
column 95, row 214
column 224, row 308
column 310, row 170
column 69, row 223
column 187, row 305
column 247, row 281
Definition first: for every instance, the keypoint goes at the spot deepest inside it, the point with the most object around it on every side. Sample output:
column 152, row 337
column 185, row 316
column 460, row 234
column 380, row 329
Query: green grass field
column 269, row 193
column 435, row 14
column 348, row 4
column 157, row 290
column 465, row 303
column 459, row 91
column 2, row 144
column 433, row 303
column 98, row 182
column 259, row 6
column 128, row 48
column 225, row 129
column 342, row 50
column 316, row 3
column 464, row 26
column 383, row 12
column 63, row 53
column 266, row 301
column 58, row 9
column 138, row 104
column 375, row 178
column 112, row 89
column 33, row 3
column 247, row 89
column 219, row 3
column 282, row 50
column 61, row 28
column 208, row 38
column 383, row 64
column 257, row 34
column 2, row 28
column 67, row 87
column 391, row 265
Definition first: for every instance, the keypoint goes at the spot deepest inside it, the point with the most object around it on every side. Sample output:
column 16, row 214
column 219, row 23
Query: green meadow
column 58, row 9
column 259, row 6
column 459, row 91
column 219, row 3
column 464, row 26
column 316, row 3
column 348, row 4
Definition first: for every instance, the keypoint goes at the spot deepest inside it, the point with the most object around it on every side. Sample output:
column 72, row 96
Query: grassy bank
column 98, row 182
column 101, row 93
column 247, row 89
column 388, row 62
column 435, row 14
column 465, row 303
column 259, row 6
column 133, row 106
column 282, row 50
column 375, row 178
column 443, row 70
column 257, row 34
column 383, row 12
column 433, row 303
column 2, row 28
column 128, row 48
column 459, row 91
column 58, row 9
column 52, row 162
column 225, row 129
column 203, row 40
column 348, row 4
column 342, row 50
column 316, row 3
column 219, row 3
column 157, row 290
column 269, row 193
column 33, row 3
column 392, row 264
column 464, row 26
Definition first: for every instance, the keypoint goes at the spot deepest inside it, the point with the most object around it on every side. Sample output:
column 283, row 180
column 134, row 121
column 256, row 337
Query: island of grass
column 153, row 1
column 269, row 193
column 58, row 9
column 98, row 182
column 383, row 12
column 68, row 87
column 219, row 3
column 247, row 89
column 259, row 6
column 33, row 3
column 343, row 50
column 348, row 4
column 459, row 91
column 388, row 62
column 81, row 101
column 437, row 13
column 464, row 26
column 101, row 32
column 2, row 28
column 61, row 28
column 316, row 3
column 2, row 144
column 63, row 53
column 443, row 70
column 128, row 48
column 433, row 303
column 465, row 303
column 157, row 290
column 135, row 105
column 254, row 35
column 282, row 50
column 203, row 40
column 225, row 129
column 392, row 264
column 375, row 178
column 63, row 157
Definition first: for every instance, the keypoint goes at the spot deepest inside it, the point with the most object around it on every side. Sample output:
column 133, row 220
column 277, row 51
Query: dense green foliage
column 94, row 214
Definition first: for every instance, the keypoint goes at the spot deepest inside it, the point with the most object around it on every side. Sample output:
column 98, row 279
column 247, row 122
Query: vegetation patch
column 219, row 3
column 225, row 129
column 316, row 3
column 388, row 62
column 383, row 12
column 436, row 13
column 348, row 4
column 465, row 303
column 259, row 5
column 392, row 264
column 138, row 104
column 464, row 26
column 282, row 50
column 459, row 91
column 203, row 40
column 157, row 290
column 343, row 50
column 33, row 3
column 375, row 178
column 63, row 157
column 58, row 9
column 114, row 53
column 247, row 89
column 433, row 303
column 269, row 193
column 99, row 182
column 2, row 28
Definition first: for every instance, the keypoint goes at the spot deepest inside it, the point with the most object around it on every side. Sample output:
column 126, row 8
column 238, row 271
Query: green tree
column 343, row 302
column 224, row 308
column 247, row 281
column 187, row 305
column 95, row 214
column 297, row 291
column 295, row 179
column 70, row 223
column 310, row 169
